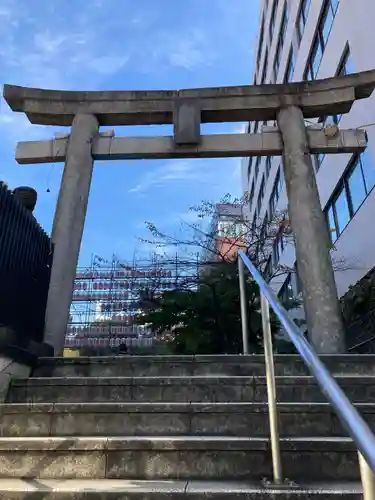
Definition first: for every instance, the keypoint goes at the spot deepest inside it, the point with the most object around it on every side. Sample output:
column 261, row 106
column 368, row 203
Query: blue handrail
column 350, row 418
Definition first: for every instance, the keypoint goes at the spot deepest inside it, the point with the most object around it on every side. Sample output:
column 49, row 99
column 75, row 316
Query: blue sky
column 123, row 44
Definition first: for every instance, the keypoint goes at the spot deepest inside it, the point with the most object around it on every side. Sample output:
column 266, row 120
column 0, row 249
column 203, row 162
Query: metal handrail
column 361, row 344
column 350, row 418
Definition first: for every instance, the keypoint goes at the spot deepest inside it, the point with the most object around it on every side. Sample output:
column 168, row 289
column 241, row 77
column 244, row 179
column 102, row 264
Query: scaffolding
column 107, row 297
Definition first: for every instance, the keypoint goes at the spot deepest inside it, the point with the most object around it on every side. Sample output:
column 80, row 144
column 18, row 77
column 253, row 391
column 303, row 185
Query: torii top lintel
column 220, row 104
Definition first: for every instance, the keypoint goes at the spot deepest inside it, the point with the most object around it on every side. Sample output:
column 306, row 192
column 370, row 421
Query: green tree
column 207, row 320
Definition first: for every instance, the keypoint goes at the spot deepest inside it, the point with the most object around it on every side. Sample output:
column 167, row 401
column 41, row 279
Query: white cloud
column 174, row 171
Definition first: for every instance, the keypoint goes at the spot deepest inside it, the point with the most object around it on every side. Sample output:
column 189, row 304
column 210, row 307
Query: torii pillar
column 186, row 109
column 68, row 227
column 323, row 314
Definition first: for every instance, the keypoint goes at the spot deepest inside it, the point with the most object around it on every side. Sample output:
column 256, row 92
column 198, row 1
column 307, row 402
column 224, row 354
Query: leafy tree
column 207, row 320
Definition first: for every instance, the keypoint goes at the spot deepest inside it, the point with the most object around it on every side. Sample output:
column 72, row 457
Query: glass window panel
column 273, row 17
column 317, row 55
column 346, row 66
column 349, row 67
column 368, row 169
column 257, row 167
column 342, row 211
column 252, row 192
column 260, row 41
column 284, row 24
column 268, row 165
column 356, row 187
column 334, row 5
column 331, row 120
column 327, row 21
column 305, row 8
column 272, row 206
column 265, row 67
column 301, row 25
column 331, row 224
column 249, row 167
column 280, row 180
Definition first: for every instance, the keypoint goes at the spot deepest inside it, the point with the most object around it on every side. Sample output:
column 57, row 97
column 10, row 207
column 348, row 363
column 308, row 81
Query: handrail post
column 241, row 277
column 271, row 391
column 367, row 479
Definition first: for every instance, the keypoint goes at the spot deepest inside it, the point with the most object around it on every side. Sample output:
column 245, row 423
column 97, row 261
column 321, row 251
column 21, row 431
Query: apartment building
column 308, row 40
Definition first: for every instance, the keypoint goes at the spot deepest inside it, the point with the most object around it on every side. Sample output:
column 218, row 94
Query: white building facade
column 306, row 40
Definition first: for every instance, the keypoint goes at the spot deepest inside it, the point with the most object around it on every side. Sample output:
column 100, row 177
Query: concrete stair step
column 160, row 419
column 185, row 457
column 359, row 389
column 131, row 366
column 111, row 489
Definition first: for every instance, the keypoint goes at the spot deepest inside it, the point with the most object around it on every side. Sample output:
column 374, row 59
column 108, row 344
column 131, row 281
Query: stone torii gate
column 288, row 104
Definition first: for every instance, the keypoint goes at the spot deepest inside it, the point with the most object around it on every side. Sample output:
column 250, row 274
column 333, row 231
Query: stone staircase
column 153, row 428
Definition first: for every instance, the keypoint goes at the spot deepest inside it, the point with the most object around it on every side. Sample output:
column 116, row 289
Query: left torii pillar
column 68, row 227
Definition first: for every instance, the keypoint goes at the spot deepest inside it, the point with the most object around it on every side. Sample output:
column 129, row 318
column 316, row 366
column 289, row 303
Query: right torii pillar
column 323, row 314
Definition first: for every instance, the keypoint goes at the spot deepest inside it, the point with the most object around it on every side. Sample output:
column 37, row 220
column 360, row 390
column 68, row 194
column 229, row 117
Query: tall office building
column 308, row 40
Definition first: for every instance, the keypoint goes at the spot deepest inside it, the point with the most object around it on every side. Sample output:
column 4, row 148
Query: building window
column 316, row 56
column 318, row 160
column 268, row 165
column 321, row 38
column 341, row 210
column 275, row 195
column 251, row 197
column 254, row 223
column 257, row 165
column 329, row 120
column 261, row 195
column 280, row 43
column 286, row 291
column 345, row 68
column 267, row 273
column 354, row 187
column 278, row 247
column 273, row 17
column 290, row 67
column 264, row 231
column 260, row 45
column 284, row 21
column 346, row 65
column 329, row 13
column 331, row 223
column 276, row 62
column 302, row 18
column 249, row 167
column 265, row 64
